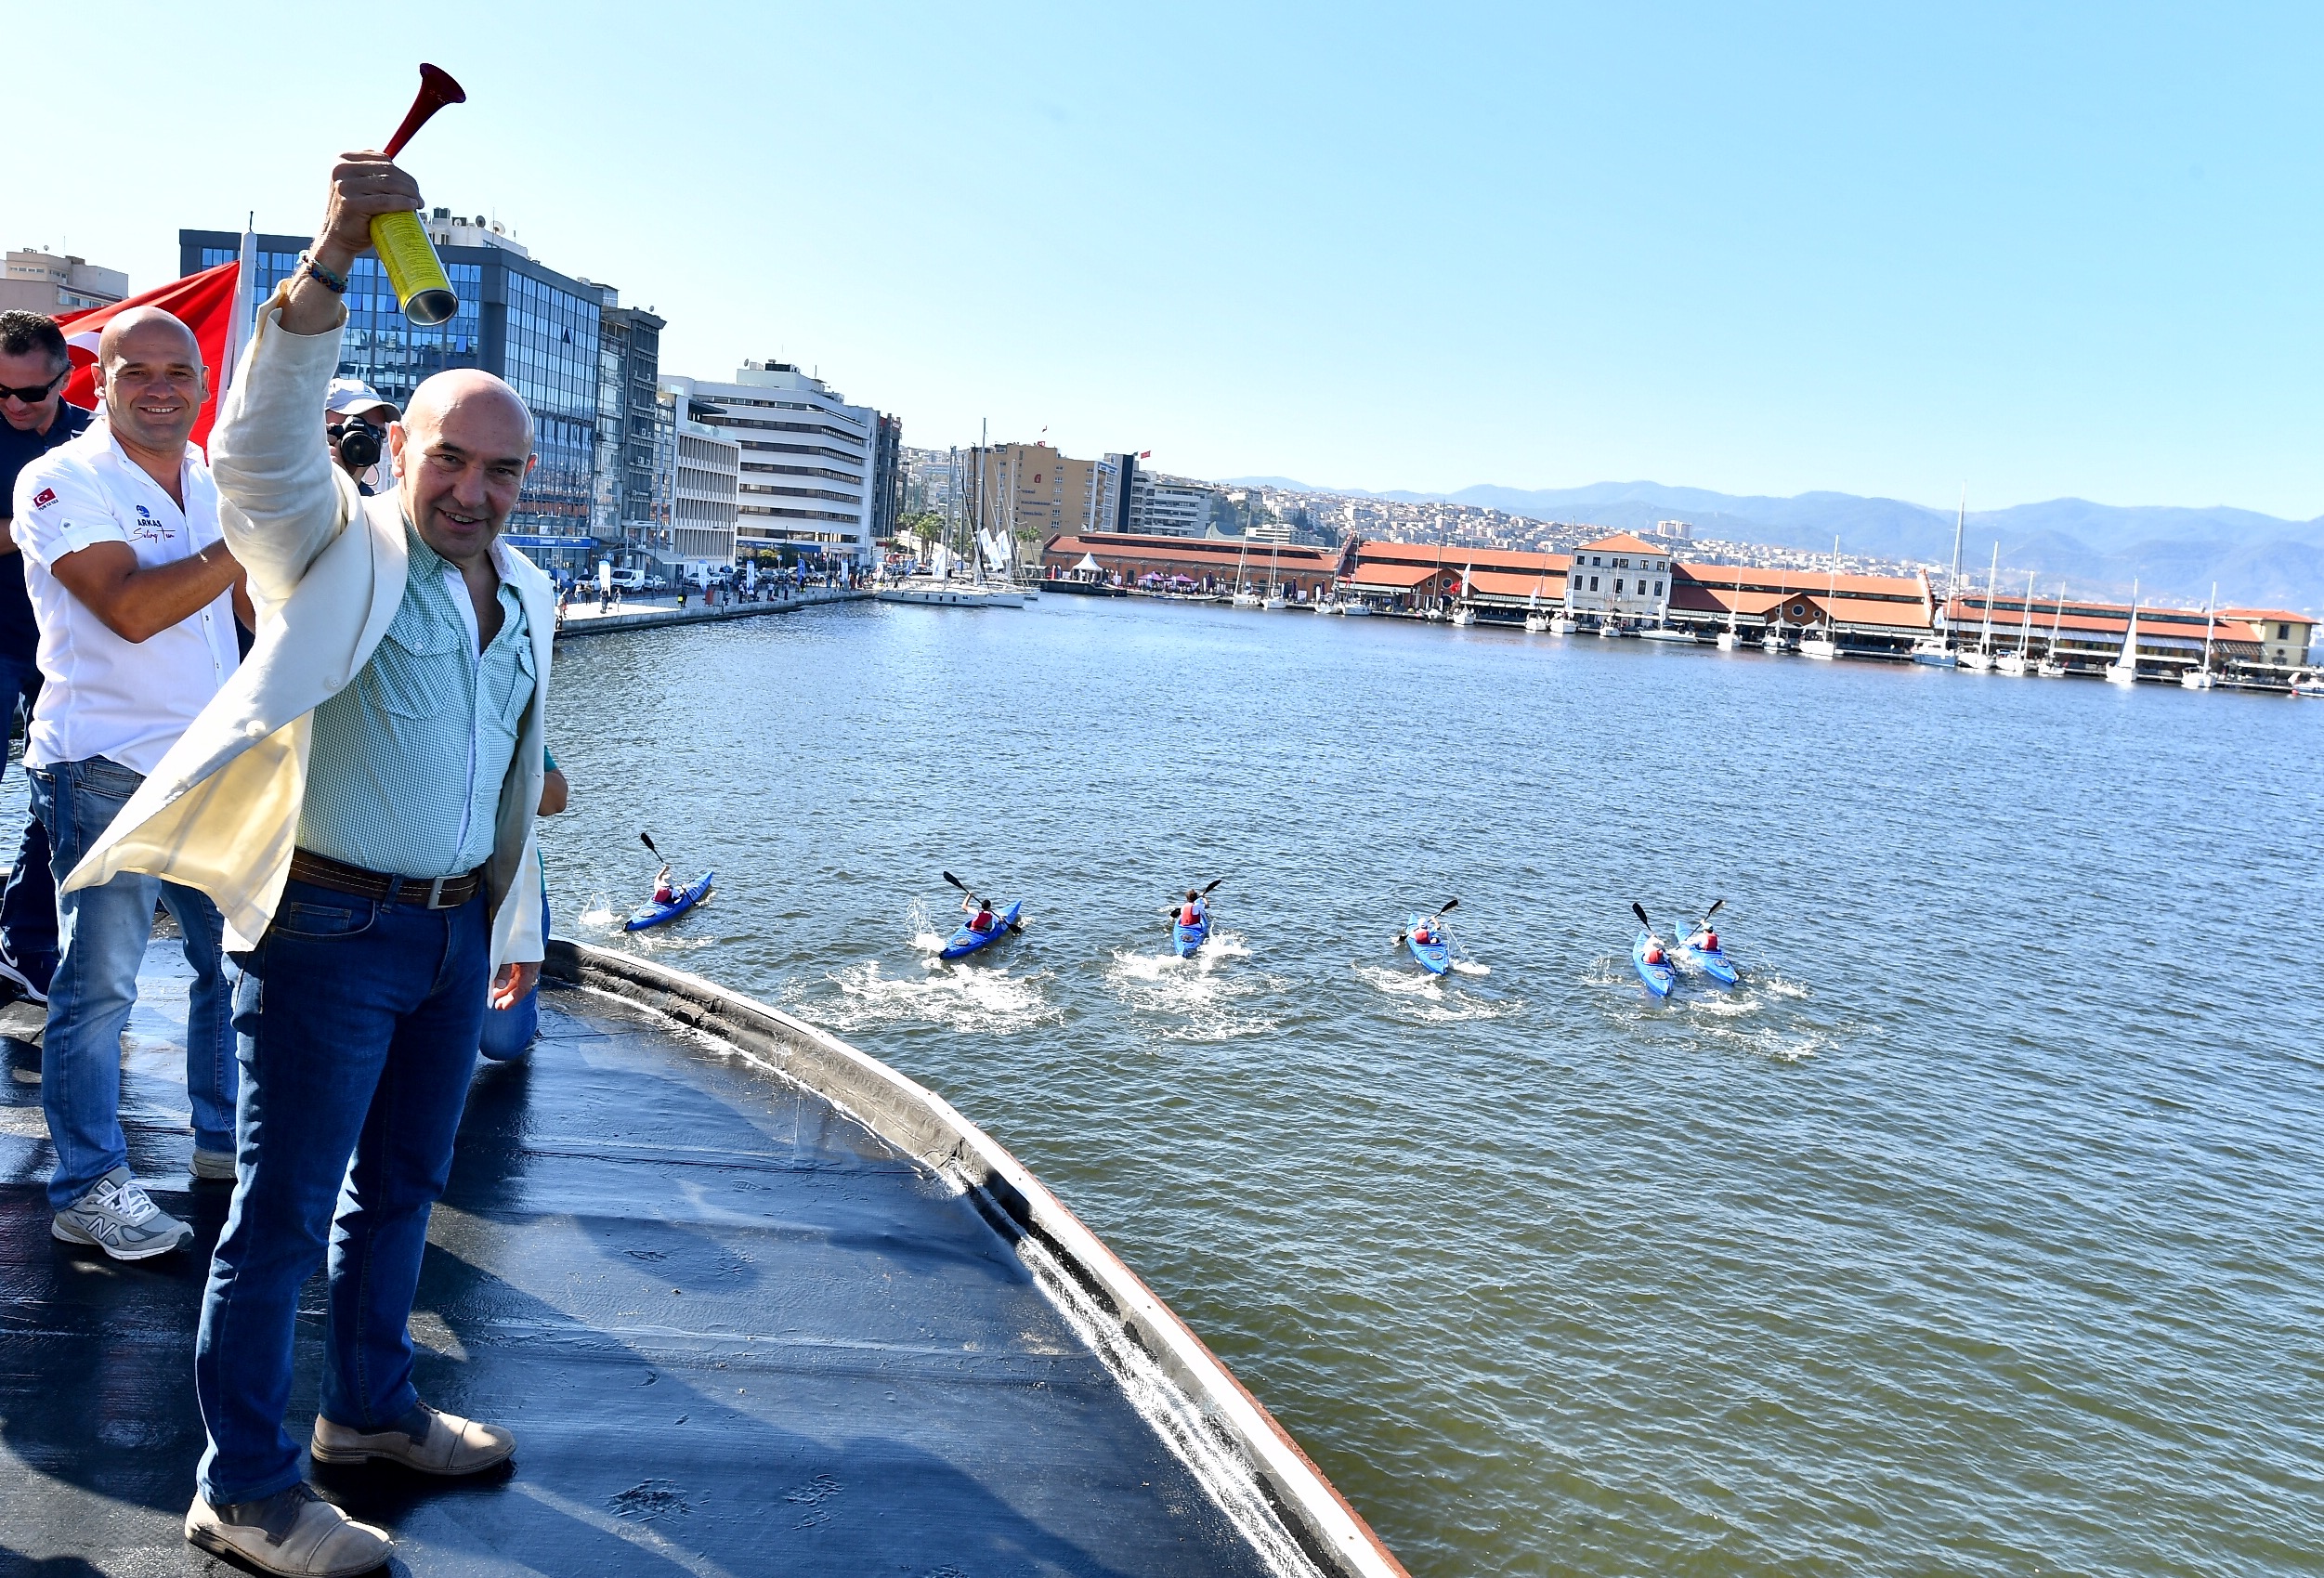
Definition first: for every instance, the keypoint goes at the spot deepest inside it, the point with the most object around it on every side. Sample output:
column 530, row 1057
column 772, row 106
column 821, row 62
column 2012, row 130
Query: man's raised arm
column 267, row 451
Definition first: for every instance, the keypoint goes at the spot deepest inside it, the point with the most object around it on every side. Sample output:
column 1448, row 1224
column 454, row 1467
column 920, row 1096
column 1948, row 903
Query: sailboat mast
column 1952, row 582
column 1985, row 640
column 2025, row 626
column 2209, row 610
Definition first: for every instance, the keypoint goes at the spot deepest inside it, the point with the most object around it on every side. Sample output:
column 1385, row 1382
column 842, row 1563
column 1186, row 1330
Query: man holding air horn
column 359, row 803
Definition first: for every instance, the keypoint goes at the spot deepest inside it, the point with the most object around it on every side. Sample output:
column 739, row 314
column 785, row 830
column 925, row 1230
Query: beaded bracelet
column 335, row 283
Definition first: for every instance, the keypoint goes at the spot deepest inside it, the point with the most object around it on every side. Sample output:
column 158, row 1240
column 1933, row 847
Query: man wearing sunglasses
column 33, row 420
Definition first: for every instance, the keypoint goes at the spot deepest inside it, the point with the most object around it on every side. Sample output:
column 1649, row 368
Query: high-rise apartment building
column 518, row 319
column 44, row 282
column 1029, row 490
column 810, row 482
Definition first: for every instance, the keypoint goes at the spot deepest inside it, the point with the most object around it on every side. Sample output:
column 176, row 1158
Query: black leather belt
column 436, row 893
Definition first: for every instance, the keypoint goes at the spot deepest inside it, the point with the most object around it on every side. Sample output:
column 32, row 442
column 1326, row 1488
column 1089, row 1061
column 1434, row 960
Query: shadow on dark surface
column 733, row 1332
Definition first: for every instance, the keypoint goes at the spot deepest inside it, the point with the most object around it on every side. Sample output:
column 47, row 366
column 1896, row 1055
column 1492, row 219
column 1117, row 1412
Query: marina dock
column 752, row 1303
column 582, row 618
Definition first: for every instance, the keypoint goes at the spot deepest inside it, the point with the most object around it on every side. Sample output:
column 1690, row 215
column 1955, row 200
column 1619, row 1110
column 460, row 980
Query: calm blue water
column 1976, row 1232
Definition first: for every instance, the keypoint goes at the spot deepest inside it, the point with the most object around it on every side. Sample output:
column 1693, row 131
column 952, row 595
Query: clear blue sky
column 1764, row 249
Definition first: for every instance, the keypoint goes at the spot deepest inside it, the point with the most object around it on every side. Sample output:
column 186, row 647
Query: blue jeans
column 358, row 1024
column 102, row 933
column 28, row 905
column 510, row 1031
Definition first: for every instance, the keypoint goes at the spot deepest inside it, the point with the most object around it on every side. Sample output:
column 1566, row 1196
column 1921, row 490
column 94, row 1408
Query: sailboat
column 1982, row 661
column 1535, row 621
column 1936, row 649
column 2052, row 666
column 1244, row 596
column 2124, row 668
column 1729, row 639
column 2202, row 678
column 1276, row 599
column 2018, row 662
column 1824, row 643
column 1462, row 613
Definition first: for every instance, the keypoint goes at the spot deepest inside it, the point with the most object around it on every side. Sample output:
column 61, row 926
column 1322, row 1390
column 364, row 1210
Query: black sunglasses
column 37, row 392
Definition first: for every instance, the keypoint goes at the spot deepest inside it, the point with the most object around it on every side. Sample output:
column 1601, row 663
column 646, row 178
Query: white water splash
column 981, row 1000
column 1203, row 992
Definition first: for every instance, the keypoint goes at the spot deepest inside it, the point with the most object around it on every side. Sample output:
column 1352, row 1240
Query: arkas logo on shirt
column 44, row 498
column 151, row 527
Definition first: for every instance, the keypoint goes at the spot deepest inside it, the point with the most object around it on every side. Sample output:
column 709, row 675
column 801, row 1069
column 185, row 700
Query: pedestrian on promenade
column 359, row 804
column 34, row 419
column 136, row 597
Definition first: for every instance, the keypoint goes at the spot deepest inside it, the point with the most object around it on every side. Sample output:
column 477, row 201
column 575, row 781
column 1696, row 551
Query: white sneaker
column 119, row 1218
column 295, row 1534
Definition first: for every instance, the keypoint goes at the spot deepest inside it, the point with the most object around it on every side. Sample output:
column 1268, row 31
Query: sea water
column 1976, row 1230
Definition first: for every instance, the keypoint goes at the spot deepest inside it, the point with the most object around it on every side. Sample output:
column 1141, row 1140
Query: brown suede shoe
column 294, row 1534
column 425, row 1439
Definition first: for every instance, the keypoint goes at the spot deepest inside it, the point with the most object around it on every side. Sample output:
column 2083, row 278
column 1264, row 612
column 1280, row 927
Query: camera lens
column 359, row 443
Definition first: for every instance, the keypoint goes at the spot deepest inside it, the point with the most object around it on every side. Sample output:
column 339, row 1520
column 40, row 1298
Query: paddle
column 1716, row 904
column 1450, row 905
column 1172, row 910
column 1639, row 911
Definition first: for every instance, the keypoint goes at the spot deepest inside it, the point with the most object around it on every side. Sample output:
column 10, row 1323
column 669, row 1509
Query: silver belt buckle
column 436, row 893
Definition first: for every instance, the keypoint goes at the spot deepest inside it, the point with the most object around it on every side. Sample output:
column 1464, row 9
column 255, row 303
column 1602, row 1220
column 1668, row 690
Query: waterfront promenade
column 654, row 613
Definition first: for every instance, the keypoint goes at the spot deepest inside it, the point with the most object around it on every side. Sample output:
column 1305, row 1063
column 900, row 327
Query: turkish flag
column 205, row 302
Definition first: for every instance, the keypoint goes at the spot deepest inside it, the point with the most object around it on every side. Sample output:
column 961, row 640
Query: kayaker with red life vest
column 1704, row 940
column 1654, row 952
column 663, row 892
column 1425, row 934
column 1195, row 912
column 983, row 921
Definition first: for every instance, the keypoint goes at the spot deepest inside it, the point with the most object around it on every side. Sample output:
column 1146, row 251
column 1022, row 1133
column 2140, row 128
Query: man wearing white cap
column 355, row 425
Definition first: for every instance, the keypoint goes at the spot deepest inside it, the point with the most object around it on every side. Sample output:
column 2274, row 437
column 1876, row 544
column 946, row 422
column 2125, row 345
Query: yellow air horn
column 413, row 269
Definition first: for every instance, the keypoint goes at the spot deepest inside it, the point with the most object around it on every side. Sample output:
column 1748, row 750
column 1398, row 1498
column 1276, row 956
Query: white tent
column 1089, row 563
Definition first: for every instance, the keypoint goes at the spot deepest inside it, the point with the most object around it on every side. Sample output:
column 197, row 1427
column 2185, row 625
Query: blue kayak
column 1188, row 938
column 681, row 900
column 1659, row 978
column 1711, row 962
column 1435, row 958
column 968, row 939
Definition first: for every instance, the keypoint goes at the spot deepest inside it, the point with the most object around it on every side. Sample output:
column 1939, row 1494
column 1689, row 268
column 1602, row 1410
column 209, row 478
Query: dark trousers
column 28, row 906
column 359, row 1024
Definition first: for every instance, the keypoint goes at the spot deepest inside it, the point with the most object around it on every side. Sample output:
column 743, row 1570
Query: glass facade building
column 528, row 324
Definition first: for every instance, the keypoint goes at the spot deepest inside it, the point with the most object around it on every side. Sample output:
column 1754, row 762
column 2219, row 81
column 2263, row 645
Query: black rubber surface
column 733, row 1331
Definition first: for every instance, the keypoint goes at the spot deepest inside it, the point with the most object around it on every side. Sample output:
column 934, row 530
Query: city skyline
column 2053, row 256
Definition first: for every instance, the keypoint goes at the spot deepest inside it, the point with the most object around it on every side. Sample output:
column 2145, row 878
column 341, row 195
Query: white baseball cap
column 353, row 394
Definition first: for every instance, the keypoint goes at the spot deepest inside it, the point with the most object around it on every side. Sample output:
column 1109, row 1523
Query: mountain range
column 2173, row 555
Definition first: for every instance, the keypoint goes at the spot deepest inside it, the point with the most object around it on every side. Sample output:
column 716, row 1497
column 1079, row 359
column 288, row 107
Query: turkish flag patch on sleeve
column 44, row 498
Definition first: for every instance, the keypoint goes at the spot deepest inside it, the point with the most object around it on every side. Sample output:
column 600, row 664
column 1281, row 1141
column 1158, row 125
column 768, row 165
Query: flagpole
column 237, row 324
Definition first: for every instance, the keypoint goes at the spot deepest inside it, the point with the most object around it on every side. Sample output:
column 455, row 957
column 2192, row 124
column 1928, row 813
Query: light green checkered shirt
column 405, row 769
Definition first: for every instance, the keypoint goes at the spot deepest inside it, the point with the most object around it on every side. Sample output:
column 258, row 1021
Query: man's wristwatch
column 335, row 283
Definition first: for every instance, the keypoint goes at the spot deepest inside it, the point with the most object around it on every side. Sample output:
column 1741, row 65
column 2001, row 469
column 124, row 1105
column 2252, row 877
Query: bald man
column 132, row 587
column 359, row 803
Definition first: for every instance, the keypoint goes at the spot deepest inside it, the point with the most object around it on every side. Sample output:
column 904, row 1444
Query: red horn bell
column 437, row 89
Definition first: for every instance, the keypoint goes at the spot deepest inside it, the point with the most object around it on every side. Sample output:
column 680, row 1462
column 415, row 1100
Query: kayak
column 1435, row 958
column 968, row 939
column 1659, row 978
column 681, row 900
column 1711, row 962
column 1188, row 938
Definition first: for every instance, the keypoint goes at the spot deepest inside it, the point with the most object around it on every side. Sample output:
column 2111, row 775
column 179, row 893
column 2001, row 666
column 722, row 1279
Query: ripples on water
column 1975, row 1231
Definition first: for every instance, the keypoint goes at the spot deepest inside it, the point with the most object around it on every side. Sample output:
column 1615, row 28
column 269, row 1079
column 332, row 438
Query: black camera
column 357, row 443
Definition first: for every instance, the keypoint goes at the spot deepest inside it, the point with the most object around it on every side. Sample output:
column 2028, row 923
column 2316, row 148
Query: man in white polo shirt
column 136, row 597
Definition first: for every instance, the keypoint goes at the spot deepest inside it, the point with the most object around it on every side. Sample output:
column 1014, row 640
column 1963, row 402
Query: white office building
column 700, row 486
column 806, row 484
column 1175, row 507
column 1621, row 577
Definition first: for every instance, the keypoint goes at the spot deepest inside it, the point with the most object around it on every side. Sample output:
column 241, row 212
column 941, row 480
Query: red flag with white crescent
column 205, row 302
